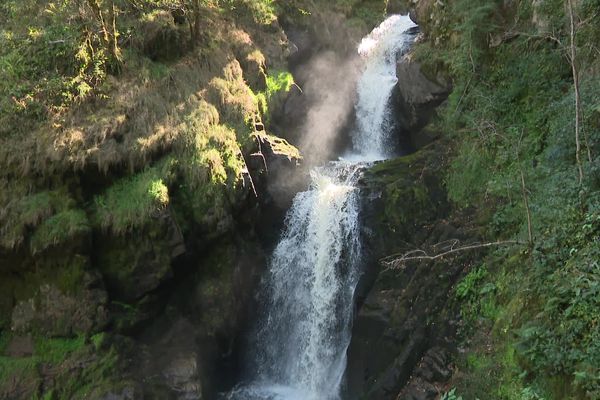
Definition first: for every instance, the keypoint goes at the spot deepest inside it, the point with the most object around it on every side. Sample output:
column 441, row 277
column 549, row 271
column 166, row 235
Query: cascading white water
column 301, row 343
column 299, row 350
column 379, row 50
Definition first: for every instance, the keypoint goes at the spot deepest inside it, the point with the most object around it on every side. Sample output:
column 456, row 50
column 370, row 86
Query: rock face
column 191, row 350
column 414, row 100
column 406, row 312
column 55, row 313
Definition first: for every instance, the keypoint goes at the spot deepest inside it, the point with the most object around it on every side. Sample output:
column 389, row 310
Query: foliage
column 512, row 113
column 131, row 201
column 475, row 296
column 451, row 395
column 262, row 11
column 59, row 228
column 50, row 57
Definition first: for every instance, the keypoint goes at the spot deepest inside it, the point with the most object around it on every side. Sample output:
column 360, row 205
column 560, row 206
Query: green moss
column 16, row 367
column 131, row 202
column 69, row 278
column 25, row 211
column 69, row 378
column 58, row 229
column 56, row 350
column 52, row 351
column 411, row 193
column 235, row 101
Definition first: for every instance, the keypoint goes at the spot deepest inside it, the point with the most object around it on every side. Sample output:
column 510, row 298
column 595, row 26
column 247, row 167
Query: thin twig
column 420, row 255
column 524, row 192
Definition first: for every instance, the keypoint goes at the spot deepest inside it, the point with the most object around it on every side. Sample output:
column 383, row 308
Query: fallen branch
column 447, row 248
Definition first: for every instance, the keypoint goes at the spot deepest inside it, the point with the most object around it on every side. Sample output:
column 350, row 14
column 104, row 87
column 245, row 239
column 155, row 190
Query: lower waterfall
column 298, row 351
column 300, row 348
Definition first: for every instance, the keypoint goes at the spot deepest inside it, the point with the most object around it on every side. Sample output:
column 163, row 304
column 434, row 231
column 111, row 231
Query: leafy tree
column 104, row 12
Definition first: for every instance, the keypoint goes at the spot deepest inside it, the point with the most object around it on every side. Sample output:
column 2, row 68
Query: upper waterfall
column 379, row 51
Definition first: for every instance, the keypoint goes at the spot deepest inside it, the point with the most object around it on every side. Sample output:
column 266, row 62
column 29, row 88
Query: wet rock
column 182, row 376
column 414, row 100
column 429, row 377
column 126, row 394
column 191, row 350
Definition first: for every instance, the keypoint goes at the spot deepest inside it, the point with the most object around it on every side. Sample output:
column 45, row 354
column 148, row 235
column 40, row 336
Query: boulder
column 54, row 312
column 414, row 100
column 137, row 263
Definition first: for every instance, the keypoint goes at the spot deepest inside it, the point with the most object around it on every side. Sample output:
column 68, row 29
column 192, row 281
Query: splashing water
column 301, row 344
column 379, row 50
column 299, row 349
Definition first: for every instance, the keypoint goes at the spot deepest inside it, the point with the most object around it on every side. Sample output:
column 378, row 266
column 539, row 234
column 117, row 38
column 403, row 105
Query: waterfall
column 301, row 344
column 380, row 50
column 307, row 296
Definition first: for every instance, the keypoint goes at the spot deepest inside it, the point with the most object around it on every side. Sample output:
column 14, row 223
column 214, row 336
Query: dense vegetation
column 531, row 312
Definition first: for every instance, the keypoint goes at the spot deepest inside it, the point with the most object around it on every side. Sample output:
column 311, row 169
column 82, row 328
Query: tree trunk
column 195, row 21
column 109, row 33
column 113, row 37
column 573, row 58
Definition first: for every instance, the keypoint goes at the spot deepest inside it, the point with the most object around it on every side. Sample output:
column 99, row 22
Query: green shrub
column 451, row 395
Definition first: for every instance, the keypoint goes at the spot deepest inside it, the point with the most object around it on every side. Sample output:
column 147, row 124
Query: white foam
column 379, row 51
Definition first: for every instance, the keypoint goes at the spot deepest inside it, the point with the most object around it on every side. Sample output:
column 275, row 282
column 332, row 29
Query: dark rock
column 405, row 314
column 277, row 175
column 138, row 263
column 55, row 313
column 414, row 100
column 191, row 350
column 416, row 88
column 19, row 346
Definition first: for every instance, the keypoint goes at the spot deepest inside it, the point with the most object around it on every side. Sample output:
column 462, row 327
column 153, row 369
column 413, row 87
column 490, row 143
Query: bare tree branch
column 524, row 192
column 446, row 248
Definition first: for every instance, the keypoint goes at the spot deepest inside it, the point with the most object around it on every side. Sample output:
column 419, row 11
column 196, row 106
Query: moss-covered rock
column 402, row 195
column 136, row 263
column 66, row 368
column 405, row 312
